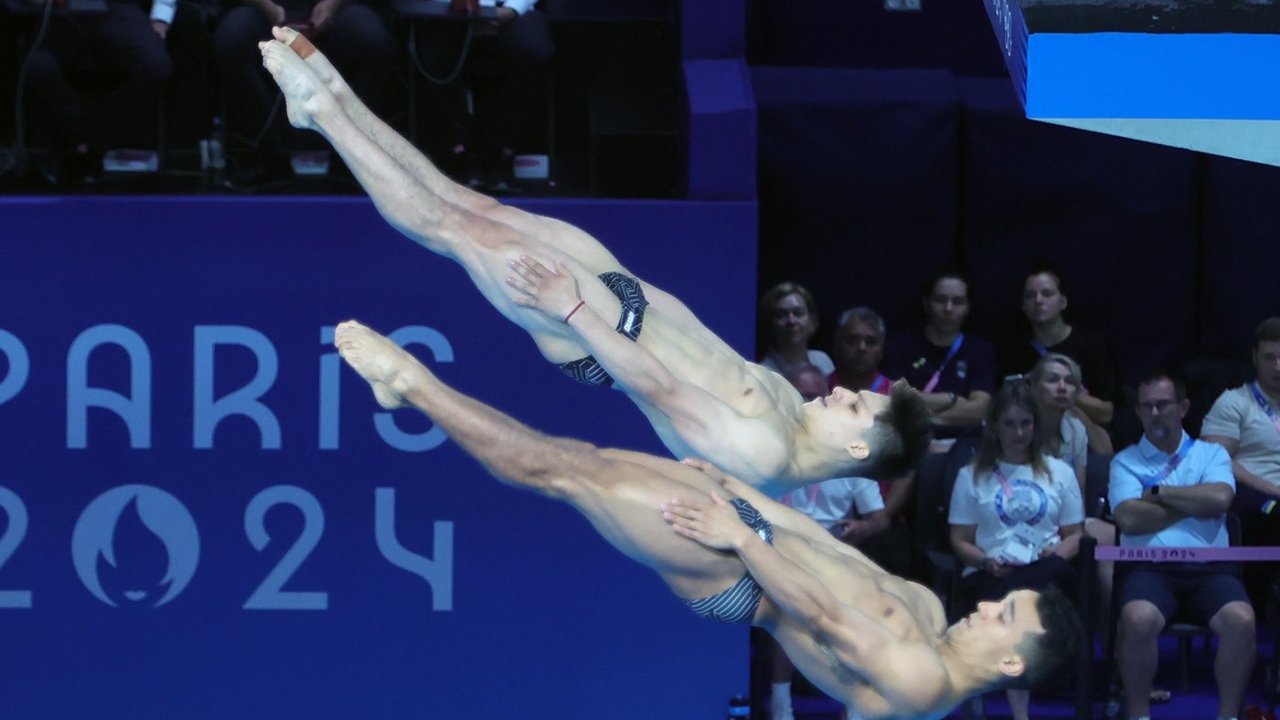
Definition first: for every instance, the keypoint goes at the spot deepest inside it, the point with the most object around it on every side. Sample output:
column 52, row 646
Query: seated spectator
column 1055, row 382
column 849, row 508
column 954, row 372
column 124, row 36
column 1246, row 421
column 858, row 349
column 788, row 318
column 1172, row 491
column 1055, row 379
column 1043, row 301
column 1016, row 513
column 484, row 132
column 355, row 36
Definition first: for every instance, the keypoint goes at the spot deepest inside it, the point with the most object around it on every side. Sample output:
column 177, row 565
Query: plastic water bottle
column 217, row 151
column 739, row 708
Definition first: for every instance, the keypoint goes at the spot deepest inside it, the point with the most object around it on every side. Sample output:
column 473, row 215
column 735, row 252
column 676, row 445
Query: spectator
column 851, row 509
column 859, row 348
column 1043, row 301
column 1172, row 491
column 954, row 372
column 1055, row 380
column 788, row 318
column 1246, row 422
column 354, row 34
column 515, row 51
column 124, row 36
column 1016, row 513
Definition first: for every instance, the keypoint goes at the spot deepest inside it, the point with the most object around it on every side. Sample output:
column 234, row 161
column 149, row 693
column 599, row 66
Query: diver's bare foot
column 387, row 366
column 306, row 97
column 317, row 62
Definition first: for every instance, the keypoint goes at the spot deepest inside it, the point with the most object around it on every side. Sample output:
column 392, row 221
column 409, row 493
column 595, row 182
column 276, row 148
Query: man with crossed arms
column 1172, row 491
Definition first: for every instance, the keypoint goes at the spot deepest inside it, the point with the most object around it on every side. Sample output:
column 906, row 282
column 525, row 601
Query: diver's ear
column 1013, row 666
column 859, row 450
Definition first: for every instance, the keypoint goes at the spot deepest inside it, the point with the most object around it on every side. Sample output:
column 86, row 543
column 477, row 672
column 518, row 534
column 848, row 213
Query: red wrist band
column 574, row 310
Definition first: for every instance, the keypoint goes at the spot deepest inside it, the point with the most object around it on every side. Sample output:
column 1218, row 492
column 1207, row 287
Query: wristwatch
column 1155, row 492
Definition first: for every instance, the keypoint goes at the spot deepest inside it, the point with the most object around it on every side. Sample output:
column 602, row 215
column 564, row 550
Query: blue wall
column 157, row 307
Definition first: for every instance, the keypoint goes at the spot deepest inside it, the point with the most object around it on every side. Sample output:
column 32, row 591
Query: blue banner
column 204, row 514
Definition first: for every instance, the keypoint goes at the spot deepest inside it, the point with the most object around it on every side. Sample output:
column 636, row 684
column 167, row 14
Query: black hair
column 899, row 436
column 951, row 272
column 1046, row 268
column 1049, row 657
column 1268, row 331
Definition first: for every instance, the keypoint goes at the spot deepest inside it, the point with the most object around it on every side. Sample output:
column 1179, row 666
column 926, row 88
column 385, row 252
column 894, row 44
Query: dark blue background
column 547, row 619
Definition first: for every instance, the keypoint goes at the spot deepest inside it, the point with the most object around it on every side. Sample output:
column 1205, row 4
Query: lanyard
column 1172, row 465
column 951, row 353
column 879, row 385
column 1004, row 480
column 1266, row 406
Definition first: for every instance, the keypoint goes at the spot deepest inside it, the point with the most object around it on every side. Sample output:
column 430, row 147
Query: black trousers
column 358, row 42
column 122, row 38
column 982, row 585
column 514, row 65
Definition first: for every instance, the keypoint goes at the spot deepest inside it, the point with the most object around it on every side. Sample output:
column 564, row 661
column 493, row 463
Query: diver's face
column 1000, row 626
column 842, row 418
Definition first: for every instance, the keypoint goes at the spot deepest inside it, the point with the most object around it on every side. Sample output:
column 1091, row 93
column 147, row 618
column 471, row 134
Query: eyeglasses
column 1154, row 406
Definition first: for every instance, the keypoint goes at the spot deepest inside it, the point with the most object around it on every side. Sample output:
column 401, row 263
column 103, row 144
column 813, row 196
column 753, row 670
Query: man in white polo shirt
column 1172, row 491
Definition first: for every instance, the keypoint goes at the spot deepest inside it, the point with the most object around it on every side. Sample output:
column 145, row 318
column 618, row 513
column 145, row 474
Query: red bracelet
column 574, row 310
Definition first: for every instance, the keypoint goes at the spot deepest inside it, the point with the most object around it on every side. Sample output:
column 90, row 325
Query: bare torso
column 909, row 611
column 753, row 439
column 704, row 360
column 671, row 333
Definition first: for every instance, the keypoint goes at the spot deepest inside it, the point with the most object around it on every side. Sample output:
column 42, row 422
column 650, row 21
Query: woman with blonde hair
column 1055, row 383
column 788, row 318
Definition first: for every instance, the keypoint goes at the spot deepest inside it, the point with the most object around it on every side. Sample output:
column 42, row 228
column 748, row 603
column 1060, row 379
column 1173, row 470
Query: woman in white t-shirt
column 1016, row 513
